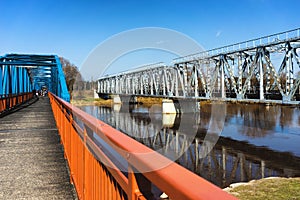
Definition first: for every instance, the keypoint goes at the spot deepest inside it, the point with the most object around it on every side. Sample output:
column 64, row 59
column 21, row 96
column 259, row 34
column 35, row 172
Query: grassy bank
column 268, row 188
column 91, row 101
column 149, row 101
column 86, row 98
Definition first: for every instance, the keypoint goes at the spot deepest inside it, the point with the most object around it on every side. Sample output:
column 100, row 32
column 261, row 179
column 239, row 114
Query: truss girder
column 21, row 73
column 14, row 80
column 262, row 70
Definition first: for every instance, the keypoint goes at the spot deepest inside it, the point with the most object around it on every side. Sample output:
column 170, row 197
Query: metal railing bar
column 176, row 181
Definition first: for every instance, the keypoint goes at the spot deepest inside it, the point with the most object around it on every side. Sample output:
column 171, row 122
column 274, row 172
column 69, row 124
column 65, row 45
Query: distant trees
column 71, row 72
column 75, row 82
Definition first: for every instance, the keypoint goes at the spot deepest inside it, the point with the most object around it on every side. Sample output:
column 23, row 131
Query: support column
column 168, row 106
column 239, row 95
column 261, row 79
column 223, row 95
column 96, row 96
column 180, row 106
column 196, row 82
column 116, row 99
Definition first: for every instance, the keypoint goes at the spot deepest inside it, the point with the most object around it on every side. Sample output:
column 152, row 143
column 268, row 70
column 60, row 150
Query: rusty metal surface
column 32, row 162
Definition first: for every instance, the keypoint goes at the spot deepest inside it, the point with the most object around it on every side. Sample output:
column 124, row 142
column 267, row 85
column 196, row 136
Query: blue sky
column 72, row 29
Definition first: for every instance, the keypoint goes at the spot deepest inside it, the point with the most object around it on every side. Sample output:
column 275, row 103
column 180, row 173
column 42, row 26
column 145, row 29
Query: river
column 253, row 141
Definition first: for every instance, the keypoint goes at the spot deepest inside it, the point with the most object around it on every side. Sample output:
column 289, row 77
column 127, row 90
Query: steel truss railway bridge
column 263, row 69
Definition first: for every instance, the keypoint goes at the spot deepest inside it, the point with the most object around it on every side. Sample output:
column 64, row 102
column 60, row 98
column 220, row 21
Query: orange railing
column 10, row 101
column 94, row 180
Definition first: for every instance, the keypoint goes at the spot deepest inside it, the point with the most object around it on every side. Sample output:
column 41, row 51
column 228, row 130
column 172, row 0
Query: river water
column 224, row 144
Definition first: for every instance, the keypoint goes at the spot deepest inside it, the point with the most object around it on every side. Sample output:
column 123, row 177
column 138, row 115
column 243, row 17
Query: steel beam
column 21, row 73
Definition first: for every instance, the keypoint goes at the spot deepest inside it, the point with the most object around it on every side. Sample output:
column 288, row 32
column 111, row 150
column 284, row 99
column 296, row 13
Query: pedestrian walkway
column 32, row 162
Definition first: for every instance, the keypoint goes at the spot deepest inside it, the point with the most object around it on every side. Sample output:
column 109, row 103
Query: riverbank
column 272, row 188
column 86, row 97
column 91, row 102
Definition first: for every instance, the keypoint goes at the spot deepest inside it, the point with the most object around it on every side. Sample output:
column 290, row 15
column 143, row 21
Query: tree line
column 74, row 79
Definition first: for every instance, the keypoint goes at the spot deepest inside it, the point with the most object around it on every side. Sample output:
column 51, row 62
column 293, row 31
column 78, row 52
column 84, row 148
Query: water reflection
column 251, row 146
column 259, row 120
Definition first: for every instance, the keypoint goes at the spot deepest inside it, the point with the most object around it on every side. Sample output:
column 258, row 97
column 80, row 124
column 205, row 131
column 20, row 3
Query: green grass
column 268, row 189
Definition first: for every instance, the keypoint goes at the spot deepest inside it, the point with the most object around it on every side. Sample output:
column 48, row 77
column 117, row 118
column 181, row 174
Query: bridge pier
column 96, row 95
column 286, row 99
column 172, row 106
column 168, row 107
column 127, row 99
column 239, row 96
column 186, row 105
column 123, row 103
column 116, row 99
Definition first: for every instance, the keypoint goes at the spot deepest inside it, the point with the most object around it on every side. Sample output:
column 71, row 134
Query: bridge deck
column 32, row 163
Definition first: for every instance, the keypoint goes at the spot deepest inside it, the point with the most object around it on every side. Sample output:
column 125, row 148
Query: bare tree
column 71, row 72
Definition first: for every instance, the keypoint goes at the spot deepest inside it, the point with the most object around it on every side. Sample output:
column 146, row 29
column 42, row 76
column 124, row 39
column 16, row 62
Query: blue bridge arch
column 24, row 73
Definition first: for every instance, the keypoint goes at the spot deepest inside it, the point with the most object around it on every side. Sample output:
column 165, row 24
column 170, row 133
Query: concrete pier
column 168, row 107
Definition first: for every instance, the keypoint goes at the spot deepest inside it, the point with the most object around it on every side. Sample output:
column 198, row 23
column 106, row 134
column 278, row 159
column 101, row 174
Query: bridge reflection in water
column 232, row 159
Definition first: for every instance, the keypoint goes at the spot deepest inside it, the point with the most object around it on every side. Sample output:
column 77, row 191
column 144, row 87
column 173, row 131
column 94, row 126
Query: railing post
column 133, row 188
column 70, row 141
column 86, row 163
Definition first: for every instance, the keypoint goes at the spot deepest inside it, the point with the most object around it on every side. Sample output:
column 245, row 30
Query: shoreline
column 266, row 188
column 92, row 102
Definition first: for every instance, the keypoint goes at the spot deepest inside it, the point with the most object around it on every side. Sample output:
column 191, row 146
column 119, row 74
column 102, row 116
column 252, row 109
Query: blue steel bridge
column 25, row 73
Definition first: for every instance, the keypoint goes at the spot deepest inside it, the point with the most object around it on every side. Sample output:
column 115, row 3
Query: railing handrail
column 173, row 179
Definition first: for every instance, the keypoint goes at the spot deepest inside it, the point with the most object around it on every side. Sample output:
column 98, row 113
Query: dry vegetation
column 267, row 189
column 149, row 101
column 86, row 97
